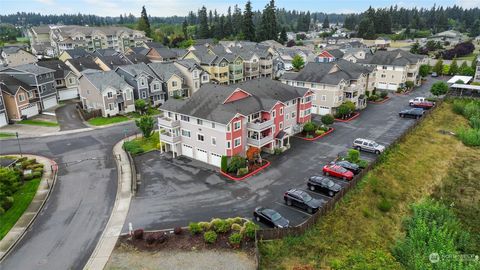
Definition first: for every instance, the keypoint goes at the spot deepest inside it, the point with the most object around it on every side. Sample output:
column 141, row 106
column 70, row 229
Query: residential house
column 333, row 83
column 15, row 56
column 382, row 42
column 226, row 120
column 329, row 56
column 156, row 54
column 39, row 35
column 354, row 54
column 145, row 82
column 283, row 59
column 66, row 81
column 74, row 54
column 477, row 72
column 42, row 51
column 258, row 60
column 41, row 78
column 172, row 78
column 194, row 75
column 107, row 63
column 451, row 36
column 18, row 99
column 216, row 66
column 106, row 91
column 235, row 62
column 81, row 65
column 394, row 68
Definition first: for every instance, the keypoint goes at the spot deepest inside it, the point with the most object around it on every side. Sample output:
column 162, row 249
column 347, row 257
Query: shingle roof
column 32, row 68
column 11, row 84
column 61, row 69
column 41, row 29
column 137, row 69
column 113, row 61
column 165, row 52
column 392, row 58
column 336, row 53
column 83, row 63
column 188, row 63
column 207, row 102
column 104, row 52
column 140, row 50
column 137, row 58
column 329, row 73
column 104, row 79
column 11, row 49
column 165, row 70
column 77, row 52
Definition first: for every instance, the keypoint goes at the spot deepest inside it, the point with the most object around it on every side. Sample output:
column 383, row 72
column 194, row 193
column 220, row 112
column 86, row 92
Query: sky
column 164, row 8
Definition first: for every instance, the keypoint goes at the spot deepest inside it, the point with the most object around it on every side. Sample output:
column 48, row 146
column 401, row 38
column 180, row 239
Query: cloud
column 468, row 3
column 46, row 2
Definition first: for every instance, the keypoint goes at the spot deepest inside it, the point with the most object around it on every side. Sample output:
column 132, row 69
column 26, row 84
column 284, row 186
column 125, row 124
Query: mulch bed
column 379, row 102
column 184, row 241
column 252, row 168
column 404, row 93
column 303, row 135
column 355, row 115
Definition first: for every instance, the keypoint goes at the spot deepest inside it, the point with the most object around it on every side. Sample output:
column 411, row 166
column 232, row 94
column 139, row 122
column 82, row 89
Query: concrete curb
column 44, row 190
column 99, row 258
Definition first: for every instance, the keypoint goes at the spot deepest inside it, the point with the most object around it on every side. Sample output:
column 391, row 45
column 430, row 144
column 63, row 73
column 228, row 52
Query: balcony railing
column 168, row 122
column 261, row 141
column 260, row 126
column 169, row 137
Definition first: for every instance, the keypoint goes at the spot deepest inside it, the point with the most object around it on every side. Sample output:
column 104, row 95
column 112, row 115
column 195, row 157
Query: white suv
column 368, row 145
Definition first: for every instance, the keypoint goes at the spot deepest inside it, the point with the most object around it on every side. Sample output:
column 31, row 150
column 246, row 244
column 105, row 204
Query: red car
column 424, row 105
column 337, row 171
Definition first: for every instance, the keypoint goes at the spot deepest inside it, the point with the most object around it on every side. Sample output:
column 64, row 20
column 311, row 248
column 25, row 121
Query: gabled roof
column 11, row 49
column 104, row 52
column 61, row 69
column 83, row 63
column 30, row 68
column 165, row 52
column 392, row 58
column 77, row 52
column 114, row 61
column 140, row 50
column 152, row 44
column 189, row 64
column 137, row 69
column 103, row 80
column 165, row 70
column 208, row 102
column 137, row 58
column 336, row 53
column 10, row 84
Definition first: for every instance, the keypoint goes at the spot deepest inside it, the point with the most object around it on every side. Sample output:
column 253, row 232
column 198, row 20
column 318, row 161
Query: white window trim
column 181, row 133
column 213, row 139
column 198, row 139
column 281, row 111
column 234, row 124
column 235, row 140
column 229, row 145
column 280, row 125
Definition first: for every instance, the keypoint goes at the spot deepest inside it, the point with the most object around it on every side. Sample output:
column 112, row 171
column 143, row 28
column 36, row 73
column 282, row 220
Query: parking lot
column 174, row 192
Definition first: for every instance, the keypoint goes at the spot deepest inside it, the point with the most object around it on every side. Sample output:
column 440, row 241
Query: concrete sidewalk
column 113, row 229
column 28, row 217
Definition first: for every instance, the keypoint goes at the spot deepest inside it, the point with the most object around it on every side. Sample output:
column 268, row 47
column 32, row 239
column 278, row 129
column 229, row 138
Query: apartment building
column 66, row 81
column 226, row 120
column 172, row 78
column 16, row 56
column 332, row 83
column 392, row 69
column 217, row 66
column 194, row 75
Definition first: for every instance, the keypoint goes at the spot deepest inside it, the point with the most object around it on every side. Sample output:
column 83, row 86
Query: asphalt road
column 174, row 192
column 67, row 230
column 68, row 117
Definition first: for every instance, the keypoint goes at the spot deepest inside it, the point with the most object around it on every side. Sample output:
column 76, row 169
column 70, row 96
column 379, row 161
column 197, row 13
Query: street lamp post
column 19, row 147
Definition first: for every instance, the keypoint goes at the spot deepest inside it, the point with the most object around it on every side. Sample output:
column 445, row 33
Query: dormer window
column 109, row 94
column 142, row 82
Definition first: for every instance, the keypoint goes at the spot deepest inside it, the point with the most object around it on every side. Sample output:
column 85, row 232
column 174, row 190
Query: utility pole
column 19, row 147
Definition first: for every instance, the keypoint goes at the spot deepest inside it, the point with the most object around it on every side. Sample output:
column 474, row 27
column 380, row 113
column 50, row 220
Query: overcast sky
column 182, row 7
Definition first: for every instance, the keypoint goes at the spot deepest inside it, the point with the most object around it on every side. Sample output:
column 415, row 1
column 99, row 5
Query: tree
column 424, row 70
column 228, row 28
column 453, row 67
column 237, row 20
column 185, row 29
column 439, row 88
column 326, row 23
column 438, row 67
column 291, row 43
column 146, row 124
column 140, row 105
column 415, row 48
column 248, row 26
column 297, row 62
column 366, row 29
column 144, row 23
column 203, row 31
column 327, row 119
column 309, row 127
column 283, row 36
column 268, row 25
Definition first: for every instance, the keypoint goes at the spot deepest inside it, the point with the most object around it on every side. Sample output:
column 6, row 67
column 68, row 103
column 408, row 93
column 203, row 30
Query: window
column 280, row 125
column 71, row 80
column 237, row 125
column 204, row 78
column 43, row 88
column 199, row 122
column 129, row 94
column 213, row 125
column 237, row 142
column 287, row 116
column 58, row 82
column 324, row 97
column 30, row 95
column 294, row 101
column 142, row 82
column 274, row 113
column 109, row 94
column 281, row 111
column 308, row 99
column 293, row 115
column 185, row 133
column 110, row 106
column 228, row 127
column 200, row 137
column 156, row 86
column 314, row 85
column 195, row 74
column 185, row 118
column 21, row 97
column 144, row 95
column 384, row 67
column 307, row 112
column 229, row 145
column 214, row 141
column 174, row 83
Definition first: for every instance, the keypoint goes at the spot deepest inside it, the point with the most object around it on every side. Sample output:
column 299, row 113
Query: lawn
column 469, row 57
column 6, row 135
column 22, row 199
column 142, row 145
column 38, row 123
column 362, row 229
column 102, row 121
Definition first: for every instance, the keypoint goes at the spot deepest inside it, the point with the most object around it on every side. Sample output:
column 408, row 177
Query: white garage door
column 3, row 120
column 382, row 85
column 30, row 111
column 50, row 102
column 202, row 155
column 187, row 150
column 69, row 93
column 323, row 111
column 215, row 160
column 392, row 86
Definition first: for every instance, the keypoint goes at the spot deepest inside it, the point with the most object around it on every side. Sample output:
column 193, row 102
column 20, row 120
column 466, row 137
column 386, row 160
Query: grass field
column 362, row 229
column 142, row 145
column 469, row 57
column 6, row 135
column 102, row 121
column 22, row 199
column 38, row 123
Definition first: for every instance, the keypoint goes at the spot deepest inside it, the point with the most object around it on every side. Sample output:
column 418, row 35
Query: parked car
column 434, row 74
column 424, row 105
column 368, row 145
column 414, row 113
column 354, row 168
column 337, row 171
column 323, row 185
column 301, row 199
column 270, row 217
column 411, row 102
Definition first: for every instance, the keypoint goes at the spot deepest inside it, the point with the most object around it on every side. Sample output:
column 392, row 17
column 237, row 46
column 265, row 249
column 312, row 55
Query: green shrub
column 194, row 228
column 224, row 163
column 132, row 147
column 362, row 163
column 242, row 171
column 235, row 238
column 383, row 94
column 409, row 84
column 327, row 119
column 309, row 136
column 475, row 122
column 469, row 136
column 373, row 98
column 384, row 205
column 308, row 127
column 236, row 227
column 319, row 132
column 220, row 225
column 278, row 151
column 250, row 229
column 28, row 177
column 367, row 93
column 236, row 162
column 353, row 155
column 37, row 174
column 471, row 109
column 7, row 202
column 238, row 220
column 204, row 225
column 458, row 106
column 399, row 90
column 439, row 88
column 40, row 170
column 210, row 237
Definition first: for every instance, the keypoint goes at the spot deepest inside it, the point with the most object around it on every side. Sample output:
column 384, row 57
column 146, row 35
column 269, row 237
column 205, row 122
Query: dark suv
column 301, row 199
column 323, row 185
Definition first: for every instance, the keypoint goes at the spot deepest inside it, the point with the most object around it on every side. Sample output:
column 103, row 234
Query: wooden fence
column 86, row 115
column 277, row 233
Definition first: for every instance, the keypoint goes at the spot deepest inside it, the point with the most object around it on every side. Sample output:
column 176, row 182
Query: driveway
column 68, row 117
column 174, row 192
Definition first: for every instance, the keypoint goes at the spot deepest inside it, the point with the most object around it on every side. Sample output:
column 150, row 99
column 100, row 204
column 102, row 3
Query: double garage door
column 388, row 86
column 3, row 119
column 201, row 155
column 50, row 102
column 69, row 93
column 30, row 111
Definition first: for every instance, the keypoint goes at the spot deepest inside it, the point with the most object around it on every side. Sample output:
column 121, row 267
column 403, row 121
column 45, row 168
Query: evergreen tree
column 326, row 23
column 268, row 25
column 121, row 19
column 248, row 26
column 143, row 23
column 283, row 36
column 185, row 29
column 453, row 67
column 438, row 67
column 366, row 29
column 228, row 28
column 203, row 31
column 237, row 20
column 415, row 48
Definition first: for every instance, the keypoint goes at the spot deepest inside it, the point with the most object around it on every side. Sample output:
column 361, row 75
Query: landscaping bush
column 399, row 90
column 132, row 147
column 439, row 88
column 7, row 203
column 353, row 155
column 28, row 177
column 204, row 225
column 9, row 184
column 235, row 239
column 36, row 174
column 319, row 132
column 469, row 136
column 384, row 205
column 242, row 171
column 146, row 124
column 238, row 220
column 362, row 163
column 138, row 234
column 309, row 136
column 373, row 98
column 236, row 227
column 250, row 229
column 236, row 162
column 194, row 228
column 308, row 127
column 177, row 230
column 224, row 164
column 409, row 84
column 383, row 94
column 220, row 225
column 278, row 151
column 475, row 122
column 150, row 239
column 367, row 93
column 210, row 237
column 328, row 119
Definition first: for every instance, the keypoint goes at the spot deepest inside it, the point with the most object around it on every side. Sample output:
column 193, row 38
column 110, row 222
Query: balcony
column 260, row 126
column 169, row 137
column 262, row 141
column 168, row 122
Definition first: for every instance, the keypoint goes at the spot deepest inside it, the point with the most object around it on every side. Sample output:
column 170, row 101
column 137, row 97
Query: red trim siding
column 232, row 135
column 278, row 118
column 236, row 95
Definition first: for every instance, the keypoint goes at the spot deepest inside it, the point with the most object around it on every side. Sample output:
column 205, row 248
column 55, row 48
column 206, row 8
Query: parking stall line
column 293, row 208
